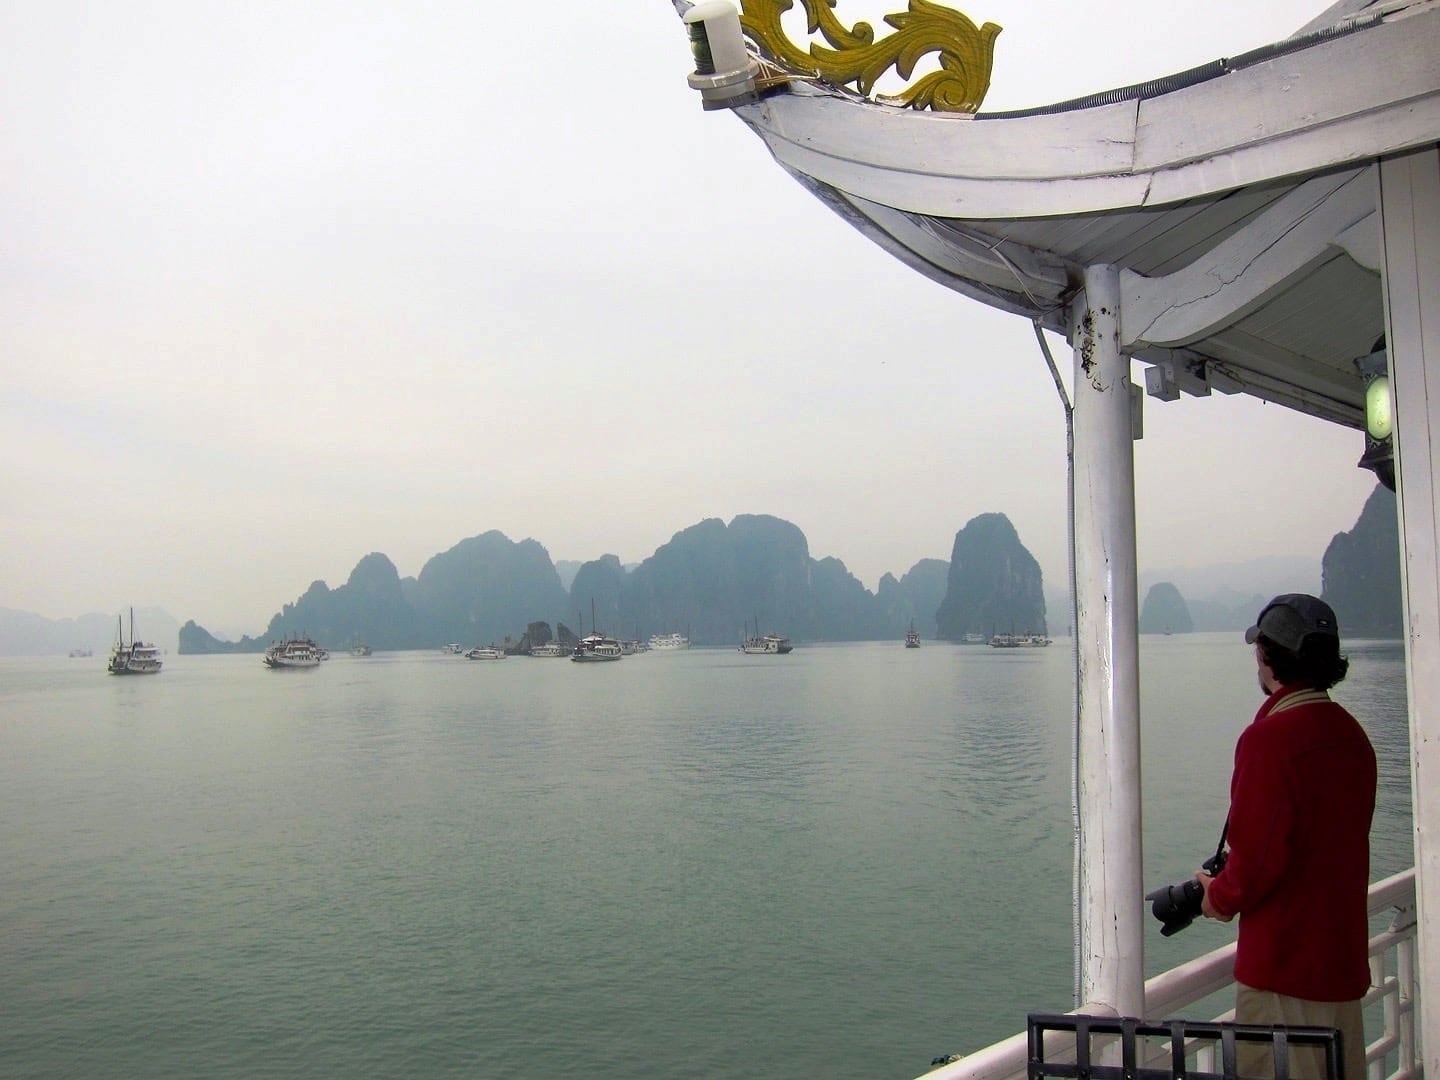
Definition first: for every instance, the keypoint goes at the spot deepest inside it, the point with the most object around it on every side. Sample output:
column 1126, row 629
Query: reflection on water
column 845, row 860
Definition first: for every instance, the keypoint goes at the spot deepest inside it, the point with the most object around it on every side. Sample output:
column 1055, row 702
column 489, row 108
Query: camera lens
column 1176, row 906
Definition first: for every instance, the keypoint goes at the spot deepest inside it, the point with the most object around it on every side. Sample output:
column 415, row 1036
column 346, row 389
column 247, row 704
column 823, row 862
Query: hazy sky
column 285, row 283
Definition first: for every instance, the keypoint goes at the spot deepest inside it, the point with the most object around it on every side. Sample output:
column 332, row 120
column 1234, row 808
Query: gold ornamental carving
column 965, row 50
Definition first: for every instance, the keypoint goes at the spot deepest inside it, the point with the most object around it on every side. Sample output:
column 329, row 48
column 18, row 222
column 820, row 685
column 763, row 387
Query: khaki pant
column 1306, row 1063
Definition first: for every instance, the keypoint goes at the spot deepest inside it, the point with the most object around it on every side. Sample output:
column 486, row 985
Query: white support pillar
column 1111, row 892
column 1410, row 228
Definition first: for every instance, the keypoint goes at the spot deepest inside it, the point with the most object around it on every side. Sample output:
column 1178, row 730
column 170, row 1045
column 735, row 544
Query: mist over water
column 848, row 860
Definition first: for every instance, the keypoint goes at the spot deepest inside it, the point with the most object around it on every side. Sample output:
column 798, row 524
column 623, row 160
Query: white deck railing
column 1393, row 987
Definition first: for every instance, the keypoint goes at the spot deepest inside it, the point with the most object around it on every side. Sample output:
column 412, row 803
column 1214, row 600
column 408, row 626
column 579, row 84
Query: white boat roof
column 1248, row 242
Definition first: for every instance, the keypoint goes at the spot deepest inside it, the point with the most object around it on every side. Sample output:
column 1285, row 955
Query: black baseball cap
column 1291, row 618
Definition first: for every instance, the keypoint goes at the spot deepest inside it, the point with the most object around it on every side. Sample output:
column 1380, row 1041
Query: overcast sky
column 282, row 284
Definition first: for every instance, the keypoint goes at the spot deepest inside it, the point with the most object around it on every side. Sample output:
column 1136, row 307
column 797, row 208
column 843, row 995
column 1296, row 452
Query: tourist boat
column 292, row 654
column 766, row 645
column 550, row 650
column 132, row 657
column 453, row 649
column 668, row 642
column 912, row 637
column 1262, row 225
column 1019, row 641
column 359, row 649
column 596, row 648
column 485, row 652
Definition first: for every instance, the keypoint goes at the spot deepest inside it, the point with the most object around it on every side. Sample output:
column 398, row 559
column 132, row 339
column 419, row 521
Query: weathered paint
column 1112, row 943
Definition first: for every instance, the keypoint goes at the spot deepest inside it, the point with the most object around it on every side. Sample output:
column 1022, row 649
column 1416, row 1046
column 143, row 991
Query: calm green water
column 841, row 862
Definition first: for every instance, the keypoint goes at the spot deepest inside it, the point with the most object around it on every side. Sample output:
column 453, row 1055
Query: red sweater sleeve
column 1261, row 822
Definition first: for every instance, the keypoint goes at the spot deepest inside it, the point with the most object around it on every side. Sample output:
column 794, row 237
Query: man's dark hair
column 1317, row 665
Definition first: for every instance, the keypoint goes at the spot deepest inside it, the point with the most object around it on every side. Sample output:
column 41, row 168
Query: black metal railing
column 1078, row 1047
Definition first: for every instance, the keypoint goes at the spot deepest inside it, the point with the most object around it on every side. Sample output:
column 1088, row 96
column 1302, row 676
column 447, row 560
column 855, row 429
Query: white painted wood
column 1094, row 142
column 1015, row 303
column 1410, row 227
column 1107, row 628
column 1008, row 266
column 1345, row 142
column 1385, row 64
column 1286, row 116
column 959, row 197
column 1362, row 242
column 1235, row 277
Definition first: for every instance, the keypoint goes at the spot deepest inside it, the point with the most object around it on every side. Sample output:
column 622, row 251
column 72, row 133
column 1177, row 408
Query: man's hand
column 1205, row 908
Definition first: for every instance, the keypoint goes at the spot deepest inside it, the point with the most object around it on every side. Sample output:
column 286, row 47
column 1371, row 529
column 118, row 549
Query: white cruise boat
column 550, row 649
column 453, row 649
column 1019, row 641
column 668, row 642
column 485, row 652
column 132, row 657
column 292, row 654
column 596, row 648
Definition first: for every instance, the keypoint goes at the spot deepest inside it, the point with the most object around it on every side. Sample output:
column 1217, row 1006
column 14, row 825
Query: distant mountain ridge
column 23, row 633
column 712, row 580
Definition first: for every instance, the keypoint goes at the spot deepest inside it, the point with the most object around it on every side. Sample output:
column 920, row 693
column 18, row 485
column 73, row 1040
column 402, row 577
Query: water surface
column 844, row 861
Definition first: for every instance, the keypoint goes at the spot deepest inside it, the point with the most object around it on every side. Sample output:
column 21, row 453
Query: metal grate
column 1162, row 1051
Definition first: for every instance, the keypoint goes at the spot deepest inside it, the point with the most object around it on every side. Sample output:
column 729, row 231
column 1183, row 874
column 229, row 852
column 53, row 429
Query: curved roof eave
column 1348, row 99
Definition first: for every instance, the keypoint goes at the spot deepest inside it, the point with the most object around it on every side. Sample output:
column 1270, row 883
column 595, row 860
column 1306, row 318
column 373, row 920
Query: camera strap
column 1224, row 832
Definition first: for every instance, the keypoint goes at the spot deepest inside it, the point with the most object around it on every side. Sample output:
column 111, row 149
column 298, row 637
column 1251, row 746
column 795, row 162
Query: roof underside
column 1242, row 211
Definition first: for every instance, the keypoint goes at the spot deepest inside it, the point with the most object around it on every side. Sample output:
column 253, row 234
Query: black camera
column 1177, row 906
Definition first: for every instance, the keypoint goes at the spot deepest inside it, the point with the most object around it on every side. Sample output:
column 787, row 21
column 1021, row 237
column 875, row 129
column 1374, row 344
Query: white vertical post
column 1111, row 893
column 1410, row 228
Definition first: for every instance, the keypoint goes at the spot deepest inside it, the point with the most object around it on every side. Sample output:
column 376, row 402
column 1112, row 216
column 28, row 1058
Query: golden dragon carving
column 966, row 51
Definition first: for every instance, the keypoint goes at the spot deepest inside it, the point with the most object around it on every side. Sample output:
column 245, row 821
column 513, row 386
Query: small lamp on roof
column 724, row 71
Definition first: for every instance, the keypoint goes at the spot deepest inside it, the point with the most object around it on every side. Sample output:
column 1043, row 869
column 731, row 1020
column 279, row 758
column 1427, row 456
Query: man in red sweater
column 1301, row 798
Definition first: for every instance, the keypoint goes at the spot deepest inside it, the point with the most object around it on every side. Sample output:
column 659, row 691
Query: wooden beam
column 1239, row 274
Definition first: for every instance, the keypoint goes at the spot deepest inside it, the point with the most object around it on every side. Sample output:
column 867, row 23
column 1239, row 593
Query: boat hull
column 134, row 667
column 767, row 646
column 597, row 650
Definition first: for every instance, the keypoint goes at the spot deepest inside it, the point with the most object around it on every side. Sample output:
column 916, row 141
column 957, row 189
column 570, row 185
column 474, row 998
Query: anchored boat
column 294, row 654
column 132, row 657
